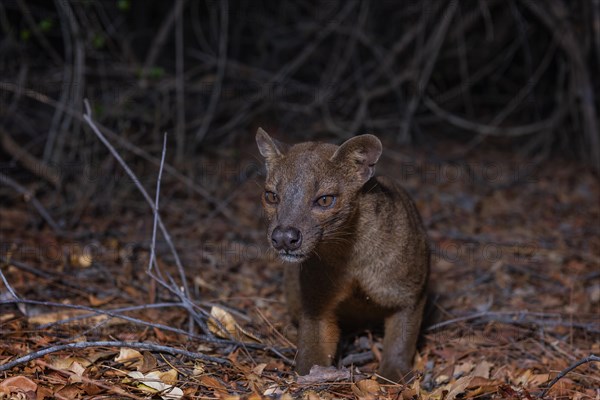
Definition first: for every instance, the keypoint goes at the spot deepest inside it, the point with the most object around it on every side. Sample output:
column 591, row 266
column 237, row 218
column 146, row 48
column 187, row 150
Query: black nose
column 288, row 238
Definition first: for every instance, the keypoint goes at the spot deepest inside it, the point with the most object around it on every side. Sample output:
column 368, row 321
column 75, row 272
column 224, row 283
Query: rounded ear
column 360, row 153
column 268, row 147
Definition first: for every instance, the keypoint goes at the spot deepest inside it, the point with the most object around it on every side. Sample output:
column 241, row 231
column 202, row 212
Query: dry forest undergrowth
column 99, row 298
column 515, row 289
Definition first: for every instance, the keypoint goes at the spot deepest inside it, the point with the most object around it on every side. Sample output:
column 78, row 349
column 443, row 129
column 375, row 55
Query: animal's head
column 311, row 190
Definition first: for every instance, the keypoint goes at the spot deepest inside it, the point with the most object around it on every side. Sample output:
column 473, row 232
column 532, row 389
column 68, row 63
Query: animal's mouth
column 292, row 257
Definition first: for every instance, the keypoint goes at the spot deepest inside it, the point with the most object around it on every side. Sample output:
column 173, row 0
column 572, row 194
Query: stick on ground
column 133, row 345
column 565, row 371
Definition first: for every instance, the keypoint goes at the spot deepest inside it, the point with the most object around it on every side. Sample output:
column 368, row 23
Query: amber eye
column 325, row 201
column 271, row 197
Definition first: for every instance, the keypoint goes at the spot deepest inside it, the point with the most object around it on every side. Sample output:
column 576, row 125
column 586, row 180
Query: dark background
column 517, row 75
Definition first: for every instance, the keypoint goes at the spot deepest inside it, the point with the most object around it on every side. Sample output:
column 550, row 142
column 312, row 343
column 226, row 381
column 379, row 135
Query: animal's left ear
column 360, row 152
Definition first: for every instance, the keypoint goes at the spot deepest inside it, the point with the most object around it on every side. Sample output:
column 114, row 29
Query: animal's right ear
column 269, row 148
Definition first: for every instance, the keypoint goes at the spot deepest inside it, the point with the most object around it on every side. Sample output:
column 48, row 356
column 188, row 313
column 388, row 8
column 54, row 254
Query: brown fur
column 363, row 259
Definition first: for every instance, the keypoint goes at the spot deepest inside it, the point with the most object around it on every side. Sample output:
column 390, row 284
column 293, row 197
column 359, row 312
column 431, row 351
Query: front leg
column 400, row 342
column 317, row 342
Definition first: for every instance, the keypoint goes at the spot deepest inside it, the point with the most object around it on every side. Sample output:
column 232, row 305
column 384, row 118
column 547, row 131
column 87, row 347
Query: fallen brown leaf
column 366, row 389
column 213, row 384
column 222, row 324
column 471, row 386
column 483, row 369
column 130, row 357
column 17, row 384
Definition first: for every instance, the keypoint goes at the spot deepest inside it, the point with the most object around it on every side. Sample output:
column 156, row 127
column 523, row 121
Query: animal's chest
column 358, row 309
column 376, row 279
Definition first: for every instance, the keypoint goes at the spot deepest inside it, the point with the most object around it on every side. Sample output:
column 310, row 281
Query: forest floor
column 514, row 291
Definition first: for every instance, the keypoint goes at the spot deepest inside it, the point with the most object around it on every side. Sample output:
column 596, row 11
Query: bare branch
column 520, row 318
column 133, row 345
column 221, row 65
column 564, row 372
column 30, row 198
column 88, row 118
column 156, row 199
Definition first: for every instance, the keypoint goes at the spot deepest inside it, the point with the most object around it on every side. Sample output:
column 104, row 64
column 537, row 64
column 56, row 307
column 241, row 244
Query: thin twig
column 116, row 314
column 161, row 36
column 73, row 83
column 491, row 130
column 221, row 65
column 516, row 317
column 134, row 345
column 30, row 162
column 278, row 353
column 61, row 280
column 185, row 301
column 34, row 26
column 110, row 313
column 433, row 49
column 570, row 368
column 183, row 292
column 596, row 27
column 156, row 199
column 30, row 198
column 7, row 284
column 88, row 118
column 179, row 86
column 169, row 169
column 582, row 85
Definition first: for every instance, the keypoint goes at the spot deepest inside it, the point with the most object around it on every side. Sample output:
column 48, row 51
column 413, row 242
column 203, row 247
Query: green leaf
column 123, row 5
column 46, row 24
column 156, row 72
column 98, row 41
column 25, row 34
